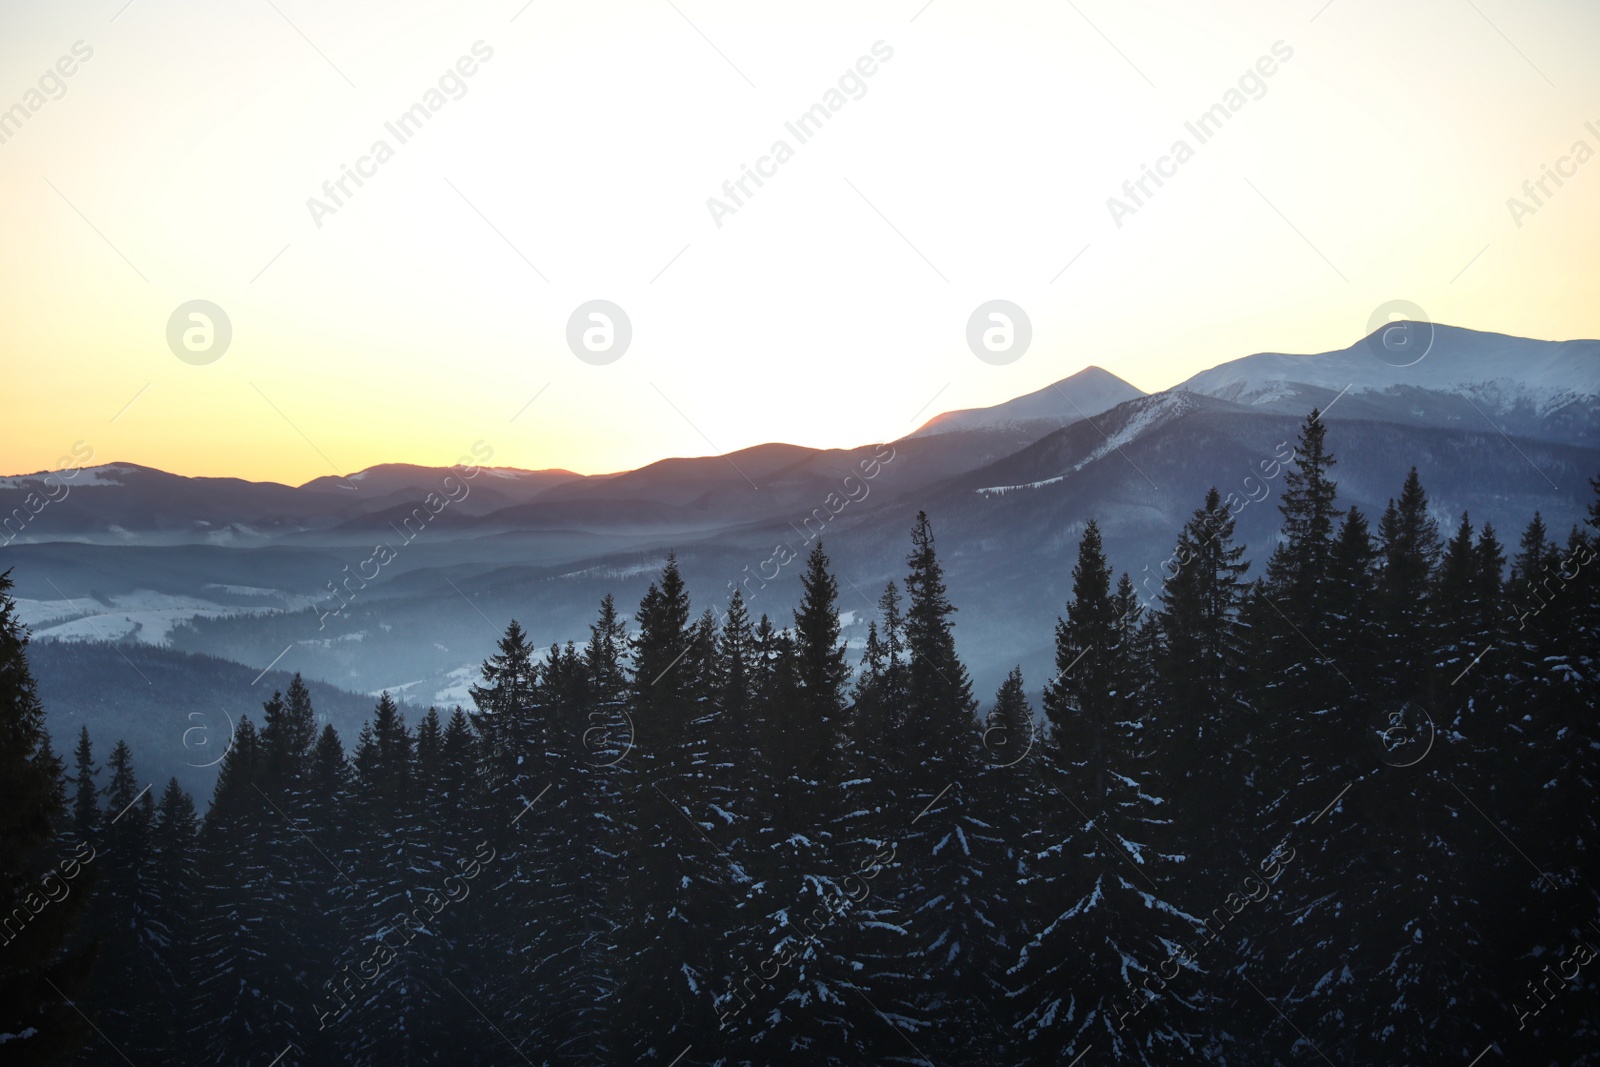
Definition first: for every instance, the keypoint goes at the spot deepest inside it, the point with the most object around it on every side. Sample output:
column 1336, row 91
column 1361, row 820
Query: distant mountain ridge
column 1087, row 393
column 1549, row 390
column 125, row 503
column 395, row 477
column 1496, row 425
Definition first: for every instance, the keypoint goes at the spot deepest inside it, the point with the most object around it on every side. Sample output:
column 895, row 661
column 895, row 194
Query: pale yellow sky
column 576, row 160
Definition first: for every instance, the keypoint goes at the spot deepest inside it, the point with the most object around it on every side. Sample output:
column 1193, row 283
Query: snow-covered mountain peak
column 1446, row 359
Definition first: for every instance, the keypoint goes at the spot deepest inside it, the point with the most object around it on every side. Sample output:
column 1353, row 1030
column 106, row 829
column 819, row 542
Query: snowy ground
column 146, row 616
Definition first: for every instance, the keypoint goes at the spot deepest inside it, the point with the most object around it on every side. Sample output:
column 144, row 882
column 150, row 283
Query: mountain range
column 246, row 571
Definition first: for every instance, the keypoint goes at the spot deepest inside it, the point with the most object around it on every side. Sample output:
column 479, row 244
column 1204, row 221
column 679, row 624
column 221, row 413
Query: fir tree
column 676, row 877
column 1200, row 653
column 1297, row 688
column 170, row 902
column 938, row 690
column 948, row 845
column 605, row 656
column 1410, row 545
column 329, row 771
column 237, row 989
column 504, row 699
column 39, row 973
column 86, row 802
column 821, row 671
column 1101, row 928
column 736, row 661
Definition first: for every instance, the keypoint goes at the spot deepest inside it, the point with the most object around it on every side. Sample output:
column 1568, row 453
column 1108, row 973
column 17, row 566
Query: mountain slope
column 384, row 479
column 1008, row 508
column 176, row 711
column 1544, row 389
column 1089, row 392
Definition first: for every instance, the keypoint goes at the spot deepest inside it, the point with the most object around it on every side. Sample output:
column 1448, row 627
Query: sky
column 572, row 153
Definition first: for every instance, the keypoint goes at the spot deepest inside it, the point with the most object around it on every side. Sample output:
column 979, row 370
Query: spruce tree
column 1102, row 928
column 952, row 860
column 1297, row 688
column 677, row 876
column 736, row 661
column 1410, row 545
column 880, row 755
column 1200, row 657
column 430, row 754
column 1455, row 637
column 86, row 795
column 239, row 993
column 605, row 656
column 39, row 973
column 504, row 698
column 737, row 669
column 329, row 771
column 128, row 970
column 171, row 898
column 817, row 818
column 1010, row 795
column 395, row 908
column 938, row 690
column 821, row 670
column 1288, row 615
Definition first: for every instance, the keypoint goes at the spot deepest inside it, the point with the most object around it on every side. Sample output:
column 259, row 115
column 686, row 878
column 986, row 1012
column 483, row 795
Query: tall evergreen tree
column 129, row 967
column 239, row 995
column 39, row 972
column 1201, row 655
column 605, row 656
column 948, row 844
column 1102, row 926
column 821, row 670
column 504, row 698
column 736, row 661
column 172, row 879
column 677, row 876
column 938, row 690
column 1410, row 545
column 1297, row 685
column 86, row 795
column 880, row 755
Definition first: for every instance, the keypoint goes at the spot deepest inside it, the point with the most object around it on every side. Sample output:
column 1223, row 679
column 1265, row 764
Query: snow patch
column 147, row 615
column 1001, row 489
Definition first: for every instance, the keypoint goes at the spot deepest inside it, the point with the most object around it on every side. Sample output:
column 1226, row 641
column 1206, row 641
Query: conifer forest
column 1336, row 805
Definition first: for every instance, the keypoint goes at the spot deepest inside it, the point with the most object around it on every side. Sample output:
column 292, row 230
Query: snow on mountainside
column 1496, row 371
column 1085, row 394
column 386, row 478
column 144, row 616
column 1062, row 455
column 106, row 474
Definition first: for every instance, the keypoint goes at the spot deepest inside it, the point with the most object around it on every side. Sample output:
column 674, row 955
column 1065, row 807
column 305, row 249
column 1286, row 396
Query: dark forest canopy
column 1337, row 804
